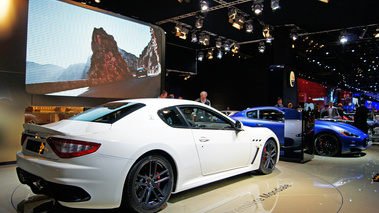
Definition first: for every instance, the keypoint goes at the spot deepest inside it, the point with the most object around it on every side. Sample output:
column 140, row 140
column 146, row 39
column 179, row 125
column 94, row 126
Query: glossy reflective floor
column 324, row 184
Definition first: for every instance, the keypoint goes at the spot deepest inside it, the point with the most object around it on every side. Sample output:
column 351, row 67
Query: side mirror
column 239, row 126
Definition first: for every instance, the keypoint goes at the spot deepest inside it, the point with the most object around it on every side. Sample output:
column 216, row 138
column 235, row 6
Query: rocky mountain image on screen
column 108, row 64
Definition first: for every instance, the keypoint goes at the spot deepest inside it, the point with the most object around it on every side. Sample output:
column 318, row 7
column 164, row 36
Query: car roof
column 266, row 107
column 162, row 102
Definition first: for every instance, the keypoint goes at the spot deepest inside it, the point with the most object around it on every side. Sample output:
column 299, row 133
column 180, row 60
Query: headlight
column 348, row 134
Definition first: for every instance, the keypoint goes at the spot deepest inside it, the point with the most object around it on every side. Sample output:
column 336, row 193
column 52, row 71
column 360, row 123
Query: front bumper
column 355, row 145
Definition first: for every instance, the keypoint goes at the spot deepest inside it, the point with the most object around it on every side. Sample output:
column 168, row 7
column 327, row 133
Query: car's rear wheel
column 326, row 144
column 148, row 184
column 268, row 158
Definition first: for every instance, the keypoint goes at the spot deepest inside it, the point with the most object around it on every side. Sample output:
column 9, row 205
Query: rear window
column 108, row 113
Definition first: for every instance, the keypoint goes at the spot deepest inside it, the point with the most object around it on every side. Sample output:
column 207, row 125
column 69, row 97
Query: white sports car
column 135, row 153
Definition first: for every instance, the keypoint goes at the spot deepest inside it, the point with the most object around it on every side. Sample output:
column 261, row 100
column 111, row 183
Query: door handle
column 203, row 139
column 259, row 124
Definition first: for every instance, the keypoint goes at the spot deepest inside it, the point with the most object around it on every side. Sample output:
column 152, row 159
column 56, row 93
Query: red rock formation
column 107, row 64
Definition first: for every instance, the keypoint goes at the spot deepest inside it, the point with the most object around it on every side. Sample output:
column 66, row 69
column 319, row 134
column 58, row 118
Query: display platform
column 325, row 184
column 243, row 193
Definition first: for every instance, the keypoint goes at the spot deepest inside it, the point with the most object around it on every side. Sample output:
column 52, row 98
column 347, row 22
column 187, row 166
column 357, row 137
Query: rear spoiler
column 40, row 131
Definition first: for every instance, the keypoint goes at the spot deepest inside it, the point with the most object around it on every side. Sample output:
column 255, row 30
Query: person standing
column 325, row 111
column 279, row 102
column 203, row 98
column 360, row 118
column 317, row 111
column 163, row 94
column 332, row 110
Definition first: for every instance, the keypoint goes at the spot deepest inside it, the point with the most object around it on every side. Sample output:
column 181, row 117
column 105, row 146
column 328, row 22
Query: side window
column 252, row 114
column 203, row 118
column 272, row 115
column 172, row 117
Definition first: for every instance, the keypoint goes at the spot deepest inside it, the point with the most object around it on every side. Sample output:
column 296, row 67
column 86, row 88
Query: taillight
column 66, row 148
column 23, row 139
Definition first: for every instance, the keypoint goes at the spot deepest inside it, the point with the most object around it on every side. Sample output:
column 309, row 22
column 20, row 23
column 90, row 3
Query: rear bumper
column 93, row 181
column 57, row 191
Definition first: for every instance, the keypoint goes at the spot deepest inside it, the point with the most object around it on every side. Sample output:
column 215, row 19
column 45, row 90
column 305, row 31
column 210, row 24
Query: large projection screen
column 81, row 51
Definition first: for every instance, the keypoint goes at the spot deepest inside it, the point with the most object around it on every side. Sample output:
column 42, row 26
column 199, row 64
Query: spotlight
column 218, row 43
column 275, row 5
column 200, row 56
column 184, row 33
column 204, row 6
column 210, row 54
column 201, row 38
column 181, row 32
column 249, row 26
column 343, row 37
column 261, row 47
column 232, row 15
column 235, row 48
column 293, row 34
column 193, row 37
column 219, row 54
column 227, row 46
column 199, row 22
column 257, row 7
column 238, row 22
column 267, row 33
column 207, row 39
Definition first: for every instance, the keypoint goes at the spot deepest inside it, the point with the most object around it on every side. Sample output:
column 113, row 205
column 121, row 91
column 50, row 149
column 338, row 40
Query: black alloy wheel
column 268, row 158
column 149, row 184
column 326, row 144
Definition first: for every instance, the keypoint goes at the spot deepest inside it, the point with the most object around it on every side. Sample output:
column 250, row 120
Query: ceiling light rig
column 236, row 19
column 261, row 47
column 275, row 5
column 343, row 37
column 257, row 7
column 210, row 54
column 294, row 34
column 204, row 6
column 249, row 26
column 267, row 33
column 199, row 21
column 181, row 31
column 200, row 56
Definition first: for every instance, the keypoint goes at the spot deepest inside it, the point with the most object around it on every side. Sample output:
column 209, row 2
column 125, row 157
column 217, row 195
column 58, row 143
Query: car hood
column 345, row 126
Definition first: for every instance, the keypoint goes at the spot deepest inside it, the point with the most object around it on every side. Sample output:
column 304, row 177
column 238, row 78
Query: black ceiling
column 317, row 54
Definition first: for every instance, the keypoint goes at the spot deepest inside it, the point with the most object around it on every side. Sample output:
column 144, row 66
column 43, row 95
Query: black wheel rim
column 152, row 184
column 269, row 156
column 326, row 145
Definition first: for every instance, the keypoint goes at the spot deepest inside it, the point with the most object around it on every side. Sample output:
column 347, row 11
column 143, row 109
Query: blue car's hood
column 348, row 127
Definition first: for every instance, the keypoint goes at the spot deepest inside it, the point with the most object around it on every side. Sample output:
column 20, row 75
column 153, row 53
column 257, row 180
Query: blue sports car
column 331, row 138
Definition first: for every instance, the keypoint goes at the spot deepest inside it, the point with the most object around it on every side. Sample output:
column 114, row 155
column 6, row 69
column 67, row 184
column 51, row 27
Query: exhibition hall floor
column 324, row 184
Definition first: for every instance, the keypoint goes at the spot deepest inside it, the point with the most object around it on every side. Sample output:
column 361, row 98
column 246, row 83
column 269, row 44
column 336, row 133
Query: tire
column 148, row 185
column 268, row 158
column 326, row 144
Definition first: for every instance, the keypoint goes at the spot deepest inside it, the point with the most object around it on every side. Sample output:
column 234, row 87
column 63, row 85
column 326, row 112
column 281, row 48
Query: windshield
column 108, row 113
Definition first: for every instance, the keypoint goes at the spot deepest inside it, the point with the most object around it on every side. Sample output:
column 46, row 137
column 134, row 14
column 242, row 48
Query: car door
column 219, row 145
column 270, row 118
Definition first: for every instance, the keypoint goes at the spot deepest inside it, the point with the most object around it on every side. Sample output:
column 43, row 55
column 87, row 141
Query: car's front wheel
column 326, row 144
column 149, row 184
column 268, row 158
